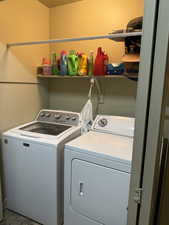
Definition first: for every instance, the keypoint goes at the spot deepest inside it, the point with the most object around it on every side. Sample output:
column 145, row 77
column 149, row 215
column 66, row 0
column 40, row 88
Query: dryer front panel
column 99, row 193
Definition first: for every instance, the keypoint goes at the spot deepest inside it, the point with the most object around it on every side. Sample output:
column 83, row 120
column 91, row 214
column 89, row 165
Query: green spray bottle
column 55, row 70
column 91, row 64
column 72, row 63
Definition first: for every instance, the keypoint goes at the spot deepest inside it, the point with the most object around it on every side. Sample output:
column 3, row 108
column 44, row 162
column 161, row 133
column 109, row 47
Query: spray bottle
column 63, row 63
column 72, row 63
column 90, row 64
column 83, row 65
column 55, row 70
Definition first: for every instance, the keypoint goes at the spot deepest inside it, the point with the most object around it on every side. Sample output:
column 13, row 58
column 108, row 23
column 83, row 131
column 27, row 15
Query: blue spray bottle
column 63, row 63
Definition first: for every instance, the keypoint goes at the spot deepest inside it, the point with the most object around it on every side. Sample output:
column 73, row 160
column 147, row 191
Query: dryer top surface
column 114, row 147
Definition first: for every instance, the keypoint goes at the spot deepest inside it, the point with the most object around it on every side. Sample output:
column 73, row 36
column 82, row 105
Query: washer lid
column 113, row 147
column 45, row 128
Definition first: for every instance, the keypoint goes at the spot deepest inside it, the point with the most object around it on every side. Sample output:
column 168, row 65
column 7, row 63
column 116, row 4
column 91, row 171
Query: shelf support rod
column 18, row 82
column 122, row 35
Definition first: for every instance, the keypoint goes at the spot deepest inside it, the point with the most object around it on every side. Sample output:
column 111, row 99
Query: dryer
column 97, row 173
column 33, row 165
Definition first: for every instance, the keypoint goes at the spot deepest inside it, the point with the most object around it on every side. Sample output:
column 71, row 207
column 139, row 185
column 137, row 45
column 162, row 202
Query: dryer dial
column 103, row 122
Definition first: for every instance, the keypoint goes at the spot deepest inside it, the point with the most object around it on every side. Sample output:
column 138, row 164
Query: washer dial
column 67, row 117
column 57, row 116
column 48, row 115
column 42, row 114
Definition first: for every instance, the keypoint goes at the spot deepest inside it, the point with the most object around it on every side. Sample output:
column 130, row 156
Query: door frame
column 142, row 106
column 154, row 146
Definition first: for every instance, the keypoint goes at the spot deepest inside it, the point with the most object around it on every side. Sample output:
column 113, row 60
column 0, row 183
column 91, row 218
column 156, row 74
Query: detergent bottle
column 63, row 63
column 79, row 61
column 83, row 65
column 55, row 70
column 99, row 67
column 90, row 64
column 72, row 63
column 46, row 66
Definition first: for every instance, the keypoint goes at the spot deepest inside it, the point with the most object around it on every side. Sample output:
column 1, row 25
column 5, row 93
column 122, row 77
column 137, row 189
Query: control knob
column 42, row 114
column 47, row 115
column 57, row 116
column 67, row 117
column 103, row 122
column 73, row 118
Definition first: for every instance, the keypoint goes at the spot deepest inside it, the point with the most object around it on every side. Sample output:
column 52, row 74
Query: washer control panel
column 56, row 116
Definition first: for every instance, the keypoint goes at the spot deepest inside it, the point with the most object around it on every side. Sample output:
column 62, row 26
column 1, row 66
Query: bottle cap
column 72, row 52
column 63, row 52
column 46, row 61
column 80, row 54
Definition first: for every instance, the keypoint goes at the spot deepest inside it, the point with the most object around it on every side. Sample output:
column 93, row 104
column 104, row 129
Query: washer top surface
column 105, row 145
column 50, row 126
column 45, row 128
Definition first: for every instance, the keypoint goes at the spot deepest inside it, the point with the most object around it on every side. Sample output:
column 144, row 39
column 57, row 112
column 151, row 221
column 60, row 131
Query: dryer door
column 100, row 193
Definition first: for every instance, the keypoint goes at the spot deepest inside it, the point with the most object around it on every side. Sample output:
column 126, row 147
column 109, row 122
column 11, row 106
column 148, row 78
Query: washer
column 33, row 165
column 97, row 173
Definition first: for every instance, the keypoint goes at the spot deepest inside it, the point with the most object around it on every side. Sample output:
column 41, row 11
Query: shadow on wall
column 11, row 68
column 21, row 97
column 72, row 94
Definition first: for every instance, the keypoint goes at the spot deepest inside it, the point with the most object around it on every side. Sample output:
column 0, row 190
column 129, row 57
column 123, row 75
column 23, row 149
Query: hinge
column 138, row 195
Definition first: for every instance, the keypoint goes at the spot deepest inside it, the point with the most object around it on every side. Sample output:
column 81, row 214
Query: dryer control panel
column 57, row 116
column 117, row 125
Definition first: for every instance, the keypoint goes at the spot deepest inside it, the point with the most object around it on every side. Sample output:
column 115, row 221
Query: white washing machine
column 97, row 173
column 33, row 165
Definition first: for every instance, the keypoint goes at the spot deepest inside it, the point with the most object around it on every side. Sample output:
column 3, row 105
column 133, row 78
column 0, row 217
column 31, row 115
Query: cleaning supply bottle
column 63, row 63
column 106, row 62
column 90, row 64
column 99, row 68
column 79, row 61
column 83, row 65
column 46, row 66
column 72, row 63
column 55, row 70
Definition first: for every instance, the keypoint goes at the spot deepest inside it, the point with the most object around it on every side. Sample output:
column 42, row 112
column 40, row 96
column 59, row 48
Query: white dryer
column 97, row 173
column 33, row 165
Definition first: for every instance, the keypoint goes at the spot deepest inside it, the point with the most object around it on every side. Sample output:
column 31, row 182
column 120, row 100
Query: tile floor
column 11, row 218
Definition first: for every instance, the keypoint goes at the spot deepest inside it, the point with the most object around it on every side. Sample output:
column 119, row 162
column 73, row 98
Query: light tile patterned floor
column 11, row 218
